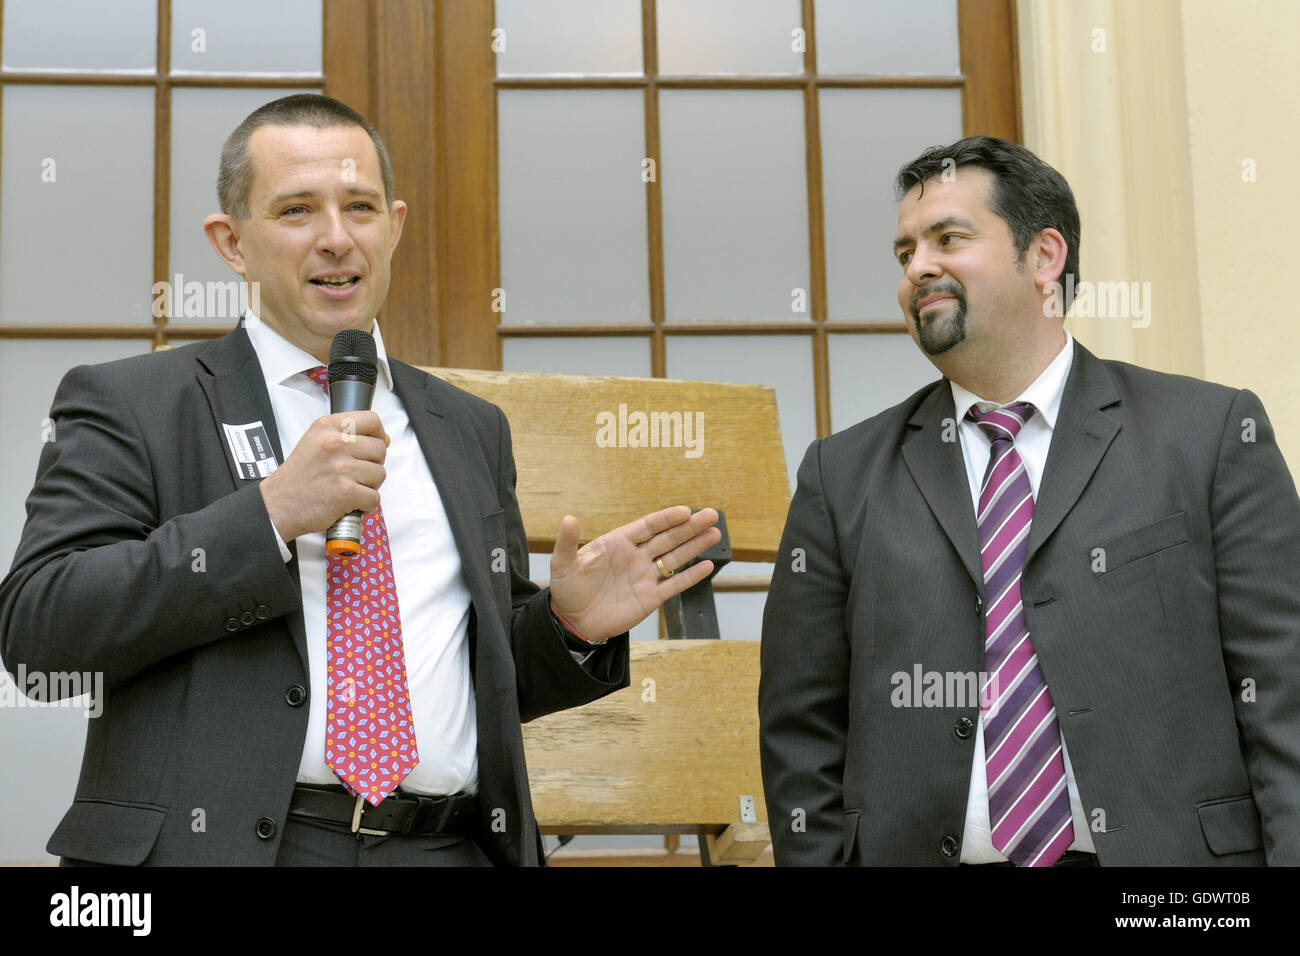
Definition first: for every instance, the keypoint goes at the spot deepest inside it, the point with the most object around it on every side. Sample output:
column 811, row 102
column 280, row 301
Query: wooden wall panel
column 348, row 59
column 406, row 83
column 991, row 65
column 468, row 180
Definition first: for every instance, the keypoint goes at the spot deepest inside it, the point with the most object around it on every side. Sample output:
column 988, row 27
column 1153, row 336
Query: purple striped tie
column 1029, row 804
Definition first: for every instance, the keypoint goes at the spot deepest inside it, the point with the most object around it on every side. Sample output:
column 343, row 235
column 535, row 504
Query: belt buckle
column 357, row 811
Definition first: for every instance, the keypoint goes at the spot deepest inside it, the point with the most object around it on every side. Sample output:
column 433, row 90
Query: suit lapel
column 449, row 461
column 1082, row 434
column 236, row 391
column 231, row 378
column 935, row 461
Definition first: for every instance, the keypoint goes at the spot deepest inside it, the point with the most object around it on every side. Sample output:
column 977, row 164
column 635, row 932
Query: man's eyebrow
column 951, row 222
column 309, row 194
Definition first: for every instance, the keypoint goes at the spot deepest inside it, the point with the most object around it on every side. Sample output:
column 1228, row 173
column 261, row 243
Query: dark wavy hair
column 1027, row 194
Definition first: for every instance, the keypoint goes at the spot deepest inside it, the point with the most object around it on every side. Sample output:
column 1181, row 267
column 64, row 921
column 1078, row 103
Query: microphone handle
column 343, row 539
column 350, row 395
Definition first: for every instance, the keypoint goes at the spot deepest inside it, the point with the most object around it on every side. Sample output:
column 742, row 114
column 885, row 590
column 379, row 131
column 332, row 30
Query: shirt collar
column 281, row 360
column 1044, row 393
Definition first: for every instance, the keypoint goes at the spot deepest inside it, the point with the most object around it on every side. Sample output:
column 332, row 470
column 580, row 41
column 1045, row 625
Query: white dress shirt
column 1032, row 444
column 433, row 600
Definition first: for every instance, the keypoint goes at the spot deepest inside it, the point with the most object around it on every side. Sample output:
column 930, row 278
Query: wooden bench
column 677, row 751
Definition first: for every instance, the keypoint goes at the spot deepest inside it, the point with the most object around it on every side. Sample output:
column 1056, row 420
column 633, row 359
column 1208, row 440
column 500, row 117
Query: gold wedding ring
column 664, row 573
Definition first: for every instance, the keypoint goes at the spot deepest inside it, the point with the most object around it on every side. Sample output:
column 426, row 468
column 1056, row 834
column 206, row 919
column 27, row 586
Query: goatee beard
column 938, row 333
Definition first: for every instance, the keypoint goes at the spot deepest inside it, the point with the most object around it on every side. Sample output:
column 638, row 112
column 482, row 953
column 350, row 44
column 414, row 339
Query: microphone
column 352, row 375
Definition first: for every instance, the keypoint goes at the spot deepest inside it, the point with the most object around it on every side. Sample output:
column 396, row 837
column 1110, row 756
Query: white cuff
column 285, row 554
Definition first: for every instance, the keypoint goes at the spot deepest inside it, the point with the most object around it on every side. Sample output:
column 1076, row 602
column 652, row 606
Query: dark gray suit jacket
column 1175, row 671
column 201, row 666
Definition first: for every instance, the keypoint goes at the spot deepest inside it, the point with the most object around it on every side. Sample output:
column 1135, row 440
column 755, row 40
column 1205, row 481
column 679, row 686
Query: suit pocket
column 850, row 834
column 1231, row 825
column 120, row 834
column 1142, row 542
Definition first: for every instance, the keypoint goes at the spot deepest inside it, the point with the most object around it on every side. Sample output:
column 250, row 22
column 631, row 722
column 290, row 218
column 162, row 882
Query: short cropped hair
column 235, row 174
column 1027, row 194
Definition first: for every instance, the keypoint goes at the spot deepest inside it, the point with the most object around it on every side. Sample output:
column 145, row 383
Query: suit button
column 265, row 828
column 232, row 624
column 263, row 612
column 247, row 618
column 949, row 846
column 295, row 695
column 964, row 728
column 979, row 604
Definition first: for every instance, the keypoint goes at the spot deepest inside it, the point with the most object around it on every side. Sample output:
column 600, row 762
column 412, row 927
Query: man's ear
column 396, row 216
column 220, row 230
column 1047, row 257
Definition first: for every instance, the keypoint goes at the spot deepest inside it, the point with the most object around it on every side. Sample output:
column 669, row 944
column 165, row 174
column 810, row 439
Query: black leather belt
column 399, row 815
column 1069, row 858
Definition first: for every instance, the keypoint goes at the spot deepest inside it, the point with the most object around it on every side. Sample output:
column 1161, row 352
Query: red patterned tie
column 369, row 734
column 1029, row 804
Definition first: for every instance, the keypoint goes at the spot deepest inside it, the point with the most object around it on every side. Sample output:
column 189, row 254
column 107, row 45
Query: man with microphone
column 269, row 702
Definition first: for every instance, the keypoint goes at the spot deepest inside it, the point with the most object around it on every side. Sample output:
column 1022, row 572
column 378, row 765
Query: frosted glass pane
column 619, row 355
column 782, row 361
column 80, row 35
column 738, row 569
column 647, row 630
column 886, row 37
column 873, row 372
column 76, row 187
column 247, row 36
column 569, row 36
column 866, row 136
column 539, row 567
column 36, row 743
column 573, row 207
column 740, row 614
column 33, row 370
column 735, row 204
column 729, row 36
column 201, row 121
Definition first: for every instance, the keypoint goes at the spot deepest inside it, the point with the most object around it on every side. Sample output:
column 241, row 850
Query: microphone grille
column 353, row 355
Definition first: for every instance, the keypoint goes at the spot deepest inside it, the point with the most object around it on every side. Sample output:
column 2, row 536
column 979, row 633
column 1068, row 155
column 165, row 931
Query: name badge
column 251, row 448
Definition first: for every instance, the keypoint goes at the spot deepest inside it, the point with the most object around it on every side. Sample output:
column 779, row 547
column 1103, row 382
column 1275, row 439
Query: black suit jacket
column 1173, row 662
column 146, row 556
